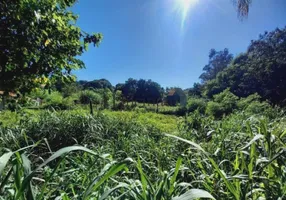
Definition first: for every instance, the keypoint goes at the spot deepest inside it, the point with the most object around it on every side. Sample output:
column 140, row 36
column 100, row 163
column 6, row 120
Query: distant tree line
column 142, row 91
column 261, row 69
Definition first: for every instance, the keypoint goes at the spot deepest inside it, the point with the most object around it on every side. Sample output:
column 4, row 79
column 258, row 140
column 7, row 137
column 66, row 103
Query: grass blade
column 105, row 174
column 198, row 147
column 174, row 177
column 257, row 137
column 59, row 153
column 194, row 194
column 4, row 160
column 108, row 192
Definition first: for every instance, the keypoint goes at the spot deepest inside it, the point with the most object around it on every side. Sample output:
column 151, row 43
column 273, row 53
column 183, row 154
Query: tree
column 218, row 60
column 106, row 97
column 129, row 89
column 196, row 90
column 98, row 84
column 262, row 70
column 87, row 96
column 153, row 92
column 39, row 38
column 141, row 91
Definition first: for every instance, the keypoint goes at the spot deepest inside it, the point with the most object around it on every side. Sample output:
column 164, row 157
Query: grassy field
column 127, row 155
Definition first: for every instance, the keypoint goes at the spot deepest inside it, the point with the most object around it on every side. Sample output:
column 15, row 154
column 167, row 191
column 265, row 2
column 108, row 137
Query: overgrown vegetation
column 239, row 157
column 67, row 139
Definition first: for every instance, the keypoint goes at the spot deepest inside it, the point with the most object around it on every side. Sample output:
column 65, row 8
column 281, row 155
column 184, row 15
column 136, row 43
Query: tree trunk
column 157, row 108
column 91, row 108
column 3, row 101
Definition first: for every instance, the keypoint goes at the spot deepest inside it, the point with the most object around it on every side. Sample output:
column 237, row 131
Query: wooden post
column 91, row 108
column 3, row 101
column 157, row 107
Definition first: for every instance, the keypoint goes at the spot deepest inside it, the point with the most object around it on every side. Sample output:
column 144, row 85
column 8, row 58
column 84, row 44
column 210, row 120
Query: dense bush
column 88, row 95
column 215, row 109
column 223, row 104
column 55, row 100
column 196, row 104
column 253, row 104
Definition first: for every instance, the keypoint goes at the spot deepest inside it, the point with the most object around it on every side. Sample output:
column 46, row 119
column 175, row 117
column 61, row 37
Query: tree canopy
column 39, row 38
column 261, row 69
column 141, row 91
column 96, row 84
column 218, row 60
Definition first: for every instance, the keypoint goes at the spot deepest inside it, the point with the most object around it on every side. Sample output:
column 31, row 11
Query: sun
column 183, row 7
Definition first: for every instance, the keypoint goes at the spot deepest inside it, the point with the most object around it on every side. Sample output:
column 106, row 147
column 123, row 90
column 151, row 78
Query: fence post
column 91, row 108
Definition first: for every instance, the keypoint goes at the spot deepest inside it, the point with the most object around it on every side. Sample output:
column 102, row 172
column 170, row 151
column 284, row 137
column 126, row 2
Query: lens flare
column 183, row 7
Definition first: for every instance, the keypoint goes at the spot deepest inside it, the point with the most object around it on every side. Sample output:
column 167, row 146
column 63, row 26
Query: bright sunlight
column 183, row 7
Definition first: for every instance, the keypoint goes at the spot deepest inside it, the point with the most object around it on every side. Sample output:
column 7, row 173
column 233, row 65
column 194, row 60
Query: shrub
column 215, row 109
column 140, row 110
column 228, row 99
column 257, row 107
column 253, row 104
column 243, row 103
column 223, row 104
column 38, row 93
column 196, row 104
column 87, row 95
column 55, row 100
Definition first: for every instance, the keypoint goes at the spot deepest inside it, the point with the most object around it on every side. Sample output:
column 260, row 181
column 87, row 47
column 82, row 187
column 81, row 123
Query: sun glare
column 183, row 7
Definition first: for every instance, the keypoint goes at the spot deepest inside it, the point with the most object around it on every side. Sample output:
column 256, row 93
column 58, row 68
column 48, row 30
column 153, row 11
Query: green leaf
column 174, row 177
column 198, row 147
column 194, row 194
column 228, row 184
column 5, row 180
column 108, row 192
column 4, row 160
column 59, row 153
column 107, row 172
column 257, row 137
column 143, row 178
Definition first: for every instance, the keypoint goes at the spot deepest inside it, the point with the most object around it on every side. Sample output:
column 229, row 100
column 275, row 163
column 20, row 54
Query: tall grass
column 128, row 156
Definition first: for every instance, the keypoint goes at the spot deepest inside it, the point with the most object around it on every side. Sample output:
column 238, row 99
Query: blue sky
column 145, row 38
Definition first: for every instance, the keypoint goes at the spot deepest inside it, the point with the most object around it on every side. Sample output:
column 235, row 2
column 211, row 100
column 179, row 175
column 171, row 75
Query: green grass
column 165, row 123
column 127, row 155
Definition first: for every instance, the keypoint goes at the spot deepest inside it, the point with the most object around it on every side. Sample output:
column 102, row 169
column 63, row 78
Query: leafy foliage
column 87, row 96
column 260, row 70
column 96, row 84
column 197, row 104
column 218, row 60
column 39, row 39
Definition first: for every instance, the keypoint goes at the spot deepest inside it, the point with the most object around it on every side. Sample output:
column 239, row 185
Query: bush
column 87, row 95
column 38, row 93
column 215, row 109
column 55, row 100
column 257, row 107
column 253, row 104
column 140, row 110
column 196, row 104
column 223, row 104
column 243, row 103
column 228, row 99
